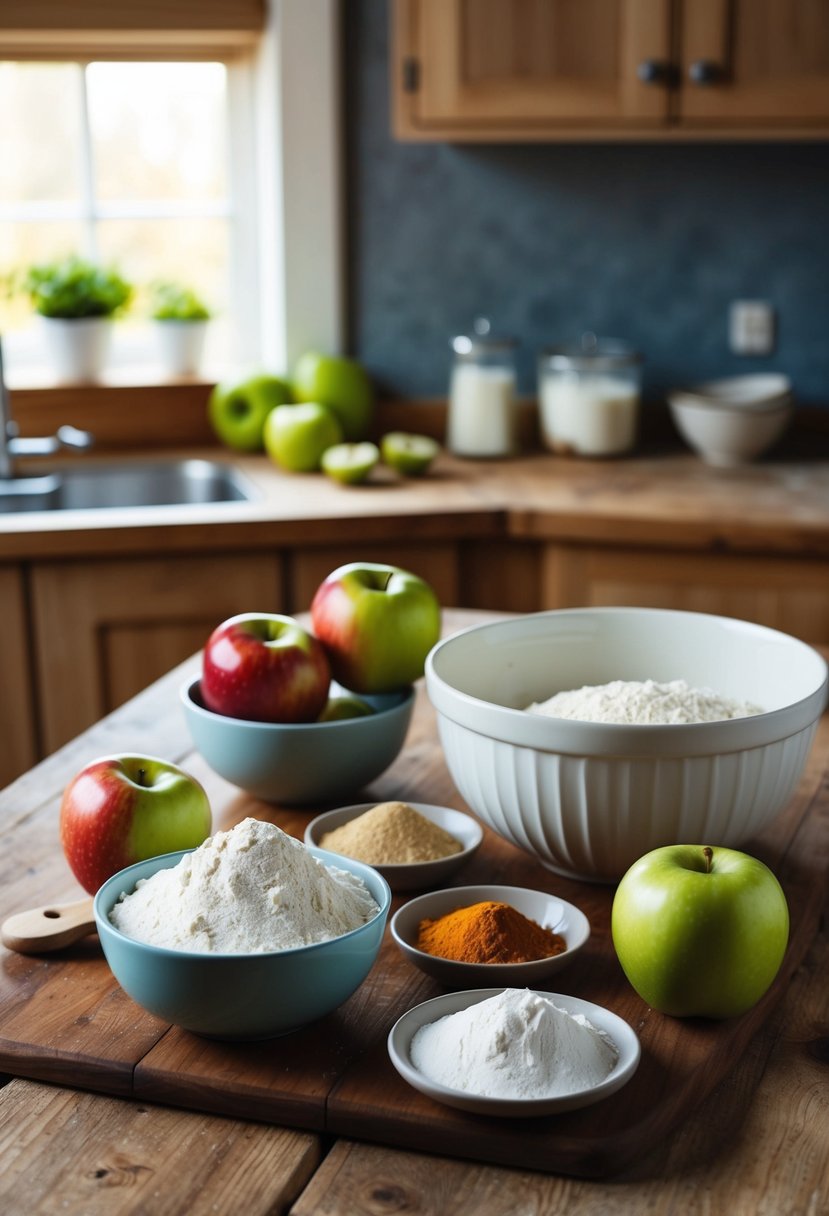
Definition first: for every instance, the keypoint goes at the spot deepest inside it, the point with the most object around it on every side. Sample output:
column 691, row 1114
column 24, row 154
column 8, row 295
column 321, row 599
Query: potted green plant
column 76, row 300
column 181, row 318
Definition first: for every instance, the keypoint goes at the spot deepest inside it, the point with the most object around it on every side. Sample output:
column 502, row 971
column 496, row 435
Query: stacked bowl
column 732, row 421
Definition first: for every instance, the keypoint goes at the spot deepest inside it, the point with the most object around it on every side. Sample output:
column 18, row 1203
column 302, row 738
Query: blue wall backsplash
column 649, row 243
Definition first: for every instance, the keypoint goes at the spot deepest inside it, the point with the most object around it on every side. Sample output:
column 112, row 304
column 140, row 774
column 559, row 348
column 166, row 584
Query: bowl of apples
column 302, row 716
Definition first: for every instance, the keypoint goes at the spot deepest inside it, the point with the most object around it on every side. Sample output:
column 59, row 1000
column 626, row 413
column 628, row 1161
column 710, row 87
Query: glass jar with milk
column 481, row 419
column 588, row 397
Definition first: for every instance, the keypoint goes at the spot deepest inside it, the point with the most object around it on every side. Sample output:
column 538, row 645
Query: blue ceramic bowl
column 240, row 996
column 301, row 762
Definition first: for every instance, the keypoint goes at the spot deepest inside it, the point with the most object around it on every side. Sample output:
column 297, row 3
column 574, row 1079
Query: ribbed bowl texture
column 588, row 799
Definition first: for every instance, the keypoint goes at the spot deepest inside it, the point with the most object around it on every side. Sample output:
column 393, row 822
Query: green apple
column 237, row 409
column 408, row 454
column 339, row 383
column 350, row 462
column 700, row 931
column 377, row 624
column 297, row 435
column 126, row 808
column 341, row 706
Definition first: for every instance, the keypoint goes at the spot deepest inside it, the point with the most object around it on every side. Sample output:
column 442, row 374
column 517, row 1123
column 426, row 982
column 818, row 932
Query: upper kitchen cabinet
column 755, row 63
column 518, row 70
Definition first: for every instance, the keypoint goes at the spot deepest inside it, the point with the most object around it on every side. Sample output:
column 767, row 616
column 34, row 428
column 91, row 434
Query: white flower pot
column 180, row 345
column 77, row 348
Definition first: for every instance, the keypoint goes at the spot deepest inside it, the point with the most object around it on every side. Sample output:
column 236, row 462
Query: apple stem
column 386, row 583
column 141, row 775
column 708, row 854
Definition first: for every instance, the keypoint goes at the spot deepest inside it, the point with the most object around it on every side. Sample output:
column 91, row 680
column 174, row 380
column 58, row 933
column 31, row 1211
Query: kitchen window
column 203, row 155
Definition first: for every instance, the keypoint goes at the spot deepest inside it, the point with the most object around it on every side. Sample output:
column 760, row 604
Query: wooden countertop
column 756, row 1144
column 664, row 499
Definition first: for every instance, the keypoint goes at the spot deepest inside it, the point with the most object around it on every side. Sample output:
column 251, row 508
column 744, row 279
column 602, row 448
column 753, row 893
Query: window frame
column 290, row 241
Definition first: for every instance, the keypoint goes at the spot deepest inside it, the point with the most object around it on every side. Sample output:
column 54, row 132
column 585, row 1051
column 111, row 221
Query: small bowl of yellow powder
column 471, row 937
column 412, row 844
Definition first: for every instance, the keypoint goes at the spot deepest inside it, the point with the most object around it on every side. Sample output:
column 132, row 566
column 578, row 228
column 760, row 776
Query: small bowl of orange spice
column 469, row 937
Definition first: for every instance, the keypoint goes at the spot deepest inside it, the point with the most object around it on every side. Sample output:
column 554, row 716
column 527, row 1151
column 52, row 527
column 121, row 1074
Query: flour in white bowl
column 518, row 1044
column 641, row 702
column 250, row 890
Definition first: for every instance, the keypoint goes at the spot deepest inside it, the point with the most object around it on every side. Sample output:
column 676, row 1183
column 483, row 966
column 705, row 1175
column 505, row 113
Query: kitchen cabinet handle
column 706, row 72
column 656, row 71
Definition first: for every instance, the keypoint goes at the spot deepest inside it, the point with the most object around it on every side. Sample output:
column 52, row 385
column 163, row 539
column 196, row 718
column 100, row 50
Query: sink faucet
column 11, row 443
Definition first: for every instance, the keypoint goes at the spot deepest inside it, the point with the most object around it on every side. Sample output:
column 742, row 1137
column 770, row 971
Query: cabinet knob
column 656, row 71
column 706, row 72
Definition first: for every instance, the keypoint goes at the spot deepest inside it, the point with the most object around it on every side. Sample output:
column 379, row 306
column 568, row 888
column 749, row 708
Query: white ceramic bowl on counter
column 590, row 798
column 733, row 421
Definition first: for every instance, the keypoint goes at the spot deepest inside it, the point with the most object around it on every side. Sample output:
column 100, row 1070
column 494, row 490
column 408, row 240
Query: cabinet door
column 784, row 593
column 528, row 67
column 105, row 630
column 755, row 61
column 18, row 750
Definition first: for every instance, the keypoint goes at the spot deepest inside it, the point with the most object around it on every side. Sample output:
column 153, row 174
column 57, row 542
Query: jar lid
column 482, row 340
column 592, row 354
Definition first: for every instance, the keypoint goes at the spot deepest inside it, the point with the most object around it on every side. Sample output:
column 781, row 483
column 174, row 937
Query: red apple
column 377, row 624
column 123, row 809
column 265, row 668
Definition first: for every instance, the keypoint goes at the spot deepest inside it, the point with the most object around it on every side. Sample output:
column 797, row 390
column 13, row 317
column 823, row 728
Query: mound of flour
column 639, row 702
column 518, row 1044
column 249, row 890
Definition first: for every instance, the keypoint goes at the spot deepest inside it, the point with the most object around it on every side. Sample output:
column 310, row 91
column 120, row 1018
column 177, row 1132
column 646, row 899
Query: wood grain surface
column 660, row 499
column 110, row 1158
column 64, row 1019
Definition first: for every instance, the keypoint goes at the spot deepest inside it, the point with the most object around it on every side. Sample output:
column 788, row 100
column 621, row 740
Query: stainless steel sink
column 158, row 483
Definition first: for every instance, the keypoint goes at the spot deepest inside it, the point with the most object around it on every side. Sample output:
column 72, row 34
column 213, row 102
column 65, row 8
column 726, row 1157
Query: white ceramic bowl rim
column 773, row 407
column 102, row 906
column 749, row 390
column 391, row 702
column 605, row 740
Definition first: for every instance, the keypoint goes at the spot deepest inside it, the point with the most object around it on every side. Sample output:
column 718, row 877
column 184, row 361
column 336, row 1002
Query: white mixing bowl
column 589, row 798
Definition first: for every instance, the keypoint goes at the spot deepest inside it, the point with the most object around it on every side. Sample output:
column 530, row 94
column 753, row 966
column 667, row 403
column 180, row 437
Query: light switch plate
column 751, row 327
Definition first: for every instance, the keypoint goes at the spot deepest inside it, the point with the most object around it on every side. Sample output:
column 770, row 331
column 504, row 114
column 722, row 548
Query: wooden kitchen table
column 757, row 1144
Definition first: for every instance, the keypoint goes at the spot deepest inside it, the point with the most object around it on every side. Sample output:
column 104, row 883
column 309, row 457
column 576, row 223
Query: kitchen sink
column 161, row 483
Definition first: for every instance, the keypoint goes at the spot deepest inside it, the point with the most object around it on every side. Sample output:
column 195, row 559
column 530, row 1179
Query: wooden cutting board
column 64, row 1019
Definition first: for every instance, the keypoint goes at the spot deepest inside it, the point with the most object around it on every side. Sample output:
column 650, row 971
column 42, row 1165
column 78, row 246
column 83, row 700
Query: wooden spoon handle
column 48, row 928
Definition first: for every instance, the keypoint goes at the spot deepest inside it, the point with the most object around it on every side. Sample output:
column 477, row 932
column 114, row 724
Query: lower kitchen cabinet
column 500, row 574
column 106, row 629
column 791, row 594
column 18, row 741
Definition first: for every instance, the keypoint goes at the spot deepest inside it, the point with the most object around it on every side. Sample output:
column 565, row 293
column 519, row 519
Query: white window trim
column 300, row 187
column 290, row 247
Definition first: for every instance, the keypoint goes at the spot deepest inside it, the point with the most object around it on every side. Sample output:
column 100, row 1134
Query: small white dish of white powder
column 643, row 702
column 251, row 890
column 513, row 1051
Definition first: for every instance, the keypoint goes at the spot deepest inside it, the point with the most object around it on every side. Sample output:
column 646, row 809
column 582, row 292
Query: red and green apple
column 122, row 809
column 700, row 931
column 264, row 667
column 377, row 624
